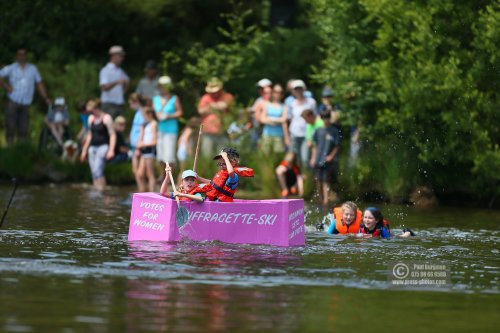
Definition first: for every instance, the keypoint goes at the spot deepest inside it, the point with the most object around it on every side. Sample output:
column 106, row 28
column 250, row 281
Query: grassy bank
column 379, row 175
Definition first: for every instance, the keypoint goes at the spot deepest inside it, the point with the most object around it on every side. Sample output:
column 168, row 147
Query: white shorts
column 97, row 160
column 182, row 153
column 165, row 148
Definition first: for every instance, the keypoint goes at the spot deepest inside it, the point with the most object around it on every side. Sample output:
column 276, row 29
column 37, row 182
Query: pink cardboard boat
column 272, row 222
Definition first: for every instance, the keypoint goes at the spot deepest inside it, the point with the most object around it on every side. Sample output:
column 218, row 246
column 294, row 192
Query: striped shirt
column 22, row 81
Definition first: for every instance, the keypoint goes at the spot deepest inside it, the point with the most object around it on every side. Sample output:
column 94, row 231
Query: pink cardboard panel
column 273, row 222
column 150, row 218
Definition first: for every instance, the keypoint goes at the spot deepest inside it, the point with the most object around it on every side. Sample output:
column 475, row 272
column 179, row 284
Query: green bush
column 420, row 78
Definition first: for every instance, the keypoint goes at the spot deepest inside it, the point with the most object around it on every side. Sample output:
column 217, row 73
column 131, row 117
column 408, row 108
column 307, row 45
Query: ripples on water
column 81, row 232
column 75, row 234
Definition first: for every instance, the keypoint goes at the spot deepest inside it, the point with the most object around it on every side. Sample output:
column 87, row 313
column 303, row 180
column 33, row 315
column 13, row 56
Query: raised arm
column 164, row 185
column 229, row 166
column 284, row 117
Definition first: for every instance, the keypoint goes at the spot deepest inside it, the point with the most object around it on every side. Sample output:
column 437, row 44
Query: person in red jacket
column 289, row 176
column 224, row 184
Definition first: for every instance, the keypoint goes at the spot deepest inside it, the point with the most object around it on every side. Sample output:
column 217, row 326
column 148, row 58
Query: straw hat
column 213, row 85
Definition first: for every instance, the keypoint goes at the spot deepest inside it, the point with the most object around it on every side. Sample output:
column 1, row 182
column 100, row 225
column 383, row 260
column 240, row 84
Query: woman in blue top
column 275, row 116
column 168, row 110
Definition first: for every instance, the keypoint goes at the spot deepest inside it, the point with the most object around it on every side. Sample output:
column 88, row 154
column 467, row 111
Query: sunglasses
column 221, row 164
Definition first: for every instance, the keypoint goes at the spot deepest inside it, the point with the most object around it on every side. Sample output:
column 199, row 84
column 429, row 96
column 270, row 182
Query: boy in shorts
column 324, row 156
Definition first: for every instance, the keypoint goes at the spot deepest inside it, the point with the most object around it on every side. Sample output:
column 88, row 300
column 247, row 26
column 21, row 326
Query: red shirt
column 212, row 122
column 295, row 169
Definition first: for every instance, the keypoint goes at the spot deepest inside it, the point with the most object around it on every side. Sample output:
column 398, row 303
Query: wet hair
column 377, row 214
column 350, row 205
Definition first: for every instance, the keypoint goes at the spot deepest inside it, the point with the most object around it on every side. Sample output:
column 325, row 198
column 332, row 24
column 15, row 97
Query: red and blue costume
column 382, row 230
column 223, row 186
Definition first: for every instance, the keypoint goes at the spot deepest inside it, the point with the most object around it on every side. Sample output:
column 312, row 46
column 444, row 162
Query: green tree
column 424, row 77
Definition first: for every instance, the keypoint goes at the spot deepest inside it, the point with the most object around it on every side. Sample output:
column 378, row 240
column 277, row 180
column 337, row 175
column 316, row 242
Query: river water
column 66, row 266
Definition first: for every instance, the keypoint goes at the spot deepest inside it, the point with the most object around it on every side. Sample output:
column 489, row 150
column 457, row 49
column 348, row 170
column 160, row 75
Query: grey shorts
column 324, row 174
column 97, row 160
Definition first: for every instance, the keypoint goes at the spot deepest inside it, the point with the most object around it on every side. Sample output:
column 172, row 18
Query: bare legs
column 135, row 167
column 324, row 192
column 99, row 183
column 150, row 173
column 145, row 175
column 280, row 173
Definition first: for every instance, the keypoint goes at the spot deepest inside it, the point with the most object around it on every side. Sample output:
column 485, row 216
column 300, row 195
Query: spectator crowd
column 283, row 120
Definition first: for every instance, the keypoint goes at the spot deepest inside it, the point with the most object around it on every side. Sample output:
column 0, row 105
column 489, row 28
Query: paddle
column 182, row 215
column 14, row 180
column 197, row 148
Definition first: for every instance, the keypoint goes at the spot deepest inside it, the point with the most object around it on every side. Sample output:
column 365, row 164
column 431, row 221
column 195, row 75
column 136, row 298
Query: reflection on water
column 65, row 261
column 221, row 307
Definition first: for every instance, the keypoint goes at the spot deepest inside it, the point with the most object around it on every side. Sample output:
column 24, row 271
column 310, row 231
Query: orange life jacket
column 192, row 192
column 344, row 228
column 218, row 190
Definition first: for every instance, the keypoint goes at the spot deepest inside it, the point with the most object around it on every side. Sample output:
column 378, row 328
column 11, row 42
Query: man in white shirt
column 22, row 77
column 114, row 83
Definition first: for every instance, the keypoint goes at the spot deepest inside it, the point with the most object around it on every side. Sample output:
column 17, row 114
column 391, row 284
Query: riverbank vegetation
column 420, row 79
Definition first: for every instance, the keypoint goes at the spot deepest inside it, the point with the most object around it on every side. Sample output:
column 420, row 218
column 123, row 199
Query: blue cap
column 188, row 173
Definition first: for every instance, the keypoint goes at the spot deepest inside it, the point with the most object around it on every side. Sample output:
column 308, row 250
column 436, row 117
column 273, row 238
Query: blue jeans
column 299, row 147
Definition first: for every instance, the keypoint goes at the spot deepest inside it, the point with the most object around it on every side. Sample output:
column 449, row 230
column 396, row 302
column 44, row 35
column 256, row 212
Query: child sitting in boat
column 225, row 182
column 187, row 191
column 346, row 219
